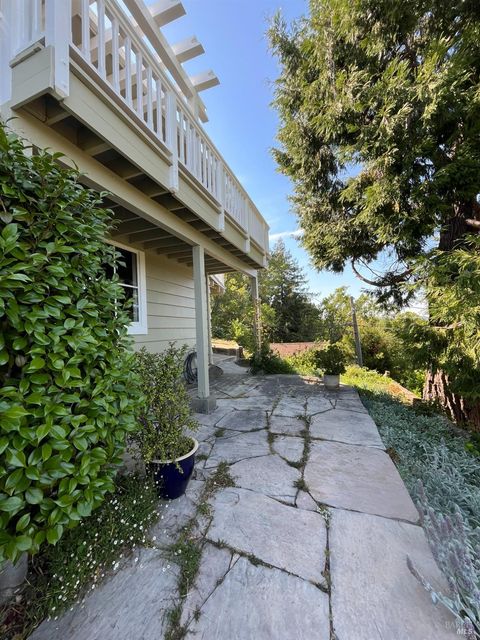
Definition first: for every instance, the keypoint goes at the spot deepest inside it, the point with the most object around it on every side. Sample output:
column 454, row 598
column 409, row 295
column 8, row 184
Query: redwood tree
column 379, row 105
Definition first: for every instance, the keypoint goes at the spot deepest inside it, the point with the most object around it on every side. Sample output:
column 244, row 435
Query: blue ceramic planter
column 170, row 480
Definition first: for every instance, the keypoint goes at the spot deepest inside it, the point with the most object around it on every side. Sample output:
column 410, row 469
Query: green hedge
column 67, row 394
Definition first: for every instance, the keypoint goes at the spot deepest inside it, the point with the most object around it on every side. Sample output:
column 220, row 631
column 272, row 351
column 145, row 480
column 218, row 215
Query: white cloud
column 296, row 233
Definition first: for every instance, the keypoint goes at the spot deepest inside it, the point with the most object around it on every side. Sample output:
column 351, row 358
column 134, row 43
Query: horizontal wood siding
column 170, row 304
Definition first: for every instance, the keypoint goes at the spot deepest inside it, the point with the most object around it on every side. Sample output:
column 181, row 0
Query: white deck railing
column 108, row 40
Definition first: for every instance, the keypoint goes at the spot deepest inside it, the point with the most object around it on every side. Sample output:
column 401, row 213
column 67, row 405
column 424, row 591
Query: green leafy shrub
column 304, row 362
column 60, row 576
column 266, row 361
column 67, row 393
column 331, row 359
column 166, row 412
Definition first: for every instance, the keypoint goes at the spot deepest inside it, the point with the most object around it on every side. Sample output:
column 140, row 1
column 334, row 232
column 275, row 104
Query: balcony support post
column 209, row 320
column 257, row 318
column 204, row 403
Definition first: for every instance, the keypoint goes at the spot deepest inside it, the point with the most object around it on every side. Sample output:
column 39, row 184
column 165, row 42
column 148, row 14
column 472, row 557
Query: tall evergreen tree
column 379, row 103
column 283, row 287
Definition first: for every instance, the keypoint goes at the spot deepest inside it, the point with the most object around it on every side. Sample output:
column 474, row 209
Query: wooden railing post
column 58, row 34
column 221, row 194
column 171, row 131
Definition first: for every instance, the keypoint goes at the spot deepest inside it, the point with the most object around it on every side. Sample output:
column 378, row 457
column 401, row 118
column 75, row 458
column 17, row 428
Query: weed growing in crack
column 175, row 630
column 204, row 509
column 254, row 560
column 219, row 544
column 201, row 456
column 219, row 433
column 271, row 437
column 295, row 464
column 219, row 480
column 323, row 510
column 300, row 484
column 187, row 550
column 186, row 553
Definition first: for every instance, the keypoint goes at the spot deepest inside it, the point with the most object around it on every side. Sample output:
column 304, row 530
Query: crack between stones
column 218, row 583
column 263, row 455
column 327, row 506
column 352, row 444
column 251, row 557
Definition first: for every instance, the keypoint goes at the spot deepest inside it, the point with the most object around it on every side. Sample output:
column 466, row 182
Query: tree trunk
column 436, row 388
column 460, row 410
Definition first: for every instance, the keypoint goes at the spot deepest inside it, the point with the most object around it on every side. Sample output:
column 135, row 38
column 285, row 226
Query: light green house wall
column 170, row 304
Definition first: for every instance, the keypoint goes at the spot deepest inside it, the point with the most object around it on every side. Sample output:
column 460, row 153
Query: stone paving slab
column 290, row 407
column 346, row 426
column 318, row 404
column 275, row 595
column 282, row 536
column 211, row 419
column 289, row 447
column 359, row 479
column 258, row 603
column 350, row 404
column 131, row 604
column 214, row 566
column 239, row 447
column 374, row 595
column 244, row 420
column 174, row 514
column 305, row 501
column 270, row 475
column 260, row 402
column 203, row 433
column 286, row 425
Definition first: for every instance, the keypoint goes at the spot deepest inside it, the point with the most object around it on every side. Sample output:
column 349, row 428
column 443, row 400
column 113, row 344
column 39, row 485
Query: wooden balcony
column 100, row 75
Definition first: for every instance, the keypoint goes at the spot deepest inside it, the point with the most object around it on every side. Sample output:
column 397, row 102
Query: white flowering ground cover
column 442, row 474
column 61, row 575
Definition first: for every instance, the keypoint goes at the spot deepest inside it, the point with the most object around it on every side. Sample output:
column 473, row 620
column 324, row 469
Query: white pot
column 331, row 381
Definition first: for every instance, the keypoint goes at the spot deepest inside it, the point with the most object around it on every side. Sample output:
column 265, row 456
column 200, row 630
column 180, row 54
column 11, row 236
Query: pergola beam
column 188, row 49
column 165, row 11
column 149, row 27
column 205, row 80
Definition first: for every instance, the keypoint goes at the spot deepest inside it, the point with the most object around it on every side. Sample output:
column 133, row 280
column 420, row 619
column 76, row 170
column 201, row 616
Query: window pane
column 127, row 267
column 133, row 311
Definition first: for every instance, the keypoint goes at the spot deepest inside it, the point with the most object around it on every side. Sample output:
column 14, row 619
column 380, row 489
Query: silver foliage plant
column 444, row 480
column 455, row 547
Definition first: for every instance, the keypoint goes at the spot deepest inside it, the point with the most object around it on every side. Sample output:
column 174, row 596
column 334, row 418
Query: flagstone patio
column 311, row 542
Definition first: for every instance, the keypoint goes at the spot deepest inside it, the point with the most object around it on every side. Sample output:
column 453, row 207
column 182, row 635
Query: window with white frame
column 130, row 268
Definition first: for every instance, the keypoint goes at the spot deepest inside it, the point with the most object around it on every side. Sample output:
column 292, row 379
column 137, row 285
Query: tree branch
column 387, row 280
column 473, row 223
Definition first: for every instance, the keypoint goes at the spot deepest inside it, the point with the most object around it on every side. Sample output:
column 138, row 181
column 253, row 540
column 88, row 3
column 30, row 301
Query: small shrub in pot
column 331, row 360
column 164, row 444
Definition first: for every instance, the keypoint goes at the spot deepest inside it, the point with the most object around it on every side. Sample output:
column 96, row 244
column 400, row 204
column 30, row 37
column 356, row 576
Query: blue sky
column 241, row 122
